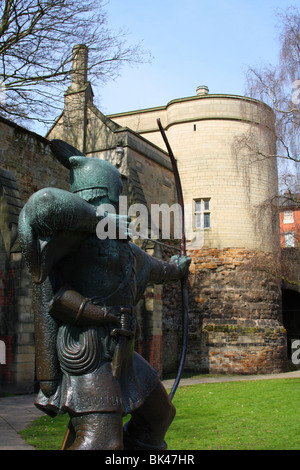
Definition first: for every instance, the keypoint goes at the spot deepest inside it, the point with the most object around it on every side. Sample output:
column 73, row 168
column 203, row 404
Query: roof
column 289, row 200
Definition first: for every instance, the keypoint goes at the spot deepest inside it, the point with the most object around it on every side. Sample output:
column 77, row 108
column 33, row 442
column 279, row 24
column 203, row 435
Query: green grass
column 246, row 415
column 260, row 415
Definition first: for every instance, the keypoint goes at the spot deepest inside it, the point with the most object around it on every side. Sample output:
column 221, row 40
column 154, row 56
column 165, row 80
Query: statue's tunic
column 114, row 273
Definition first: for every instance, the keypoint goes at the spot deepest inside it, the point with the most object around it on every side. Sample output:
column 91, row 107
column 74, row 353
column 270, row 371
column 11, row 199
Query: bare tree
column 36, row 42
column 279, row 86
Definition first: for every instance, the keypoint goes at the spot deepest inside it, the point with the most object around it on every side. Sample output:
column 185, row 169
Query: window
column 202, row 213
column 289, row 239
column 288, row 217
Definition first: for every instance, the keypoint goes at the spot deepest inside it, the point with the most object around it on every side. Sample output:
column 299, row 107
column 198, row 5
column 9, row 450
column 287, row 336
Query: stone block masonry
column 243, row 350
column 235, row 320
column 26, row 165
column 28, row 156
column 235, row 315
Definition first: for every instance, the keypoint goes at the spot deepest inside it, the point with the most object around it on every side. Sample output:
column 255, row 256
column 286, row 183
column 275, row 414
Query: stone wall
column 235, row 314
column 26, row 165
column 27, row 155
column 235, row 321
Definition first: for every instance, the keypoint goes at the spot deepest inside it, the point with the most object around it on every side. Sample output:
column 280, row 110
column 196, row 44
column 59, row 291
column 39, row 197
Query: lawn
column 246, row 415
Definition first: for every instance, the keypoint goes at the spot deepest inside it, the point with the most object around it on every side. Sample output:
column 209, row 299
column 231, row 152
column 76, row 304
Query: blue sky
column 193, row 42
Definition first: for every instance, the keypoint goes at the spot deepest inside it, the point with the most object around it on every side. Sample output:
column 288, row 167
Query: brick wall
column 292, row 227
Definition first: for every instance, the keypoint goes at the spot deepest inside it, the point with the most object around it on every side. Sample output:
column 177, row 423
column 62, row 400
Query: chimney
column 202, row 90
column 77, row 97
column 79, row 66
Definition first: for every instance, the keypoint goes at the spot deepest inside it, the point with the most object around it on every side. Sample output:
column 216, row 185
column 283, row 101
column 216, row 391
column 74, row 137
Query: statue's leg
column 97, row 431
column 148, row 426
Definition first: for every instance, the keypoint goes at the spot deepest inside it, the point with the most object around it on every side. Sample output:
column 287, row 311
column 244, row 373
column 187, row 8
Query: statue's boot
column 148, row 425
column 132, row 443
column 97, row 431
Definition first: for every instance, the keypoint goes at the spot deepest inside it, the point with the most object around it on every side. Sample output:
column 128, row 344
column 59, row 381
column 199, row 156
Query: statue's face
column 89, row 197
column 103, row 200
column 97, row 196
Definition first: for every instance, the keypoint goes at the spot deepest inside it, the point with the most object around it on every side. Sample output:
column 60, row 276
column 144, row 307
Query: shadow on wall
column 17, row 363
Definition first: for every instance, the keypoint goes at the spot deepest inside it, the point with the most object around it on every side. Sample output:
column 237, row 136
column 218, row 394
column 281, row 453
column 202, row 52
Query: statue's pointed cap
column 86, row 172
column 63, row 152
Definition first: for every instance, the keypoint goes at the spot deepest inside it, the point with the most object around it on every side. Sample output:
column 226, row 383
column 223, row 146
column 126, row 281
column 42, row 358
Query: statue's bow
column 184, row 290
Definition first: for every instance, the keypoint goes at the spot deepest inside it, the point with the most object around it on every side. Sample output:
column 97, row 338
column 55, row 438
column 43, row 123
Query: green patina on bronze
column 85, row 293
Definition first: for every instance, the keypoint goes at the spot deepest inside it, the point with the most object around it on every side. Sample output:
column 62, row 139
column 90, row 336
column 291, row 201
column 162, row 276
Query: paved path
column 17, row 412
column 234, row 378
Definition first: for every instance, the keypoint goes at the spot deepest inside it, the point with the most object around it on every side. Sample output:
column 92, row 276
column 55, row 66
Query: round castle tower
column 225, row 147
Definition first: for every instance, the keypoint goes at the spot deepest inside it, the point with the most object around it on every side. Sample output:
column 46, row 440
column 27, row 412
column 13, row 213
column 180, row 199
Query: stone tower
column 221, row 143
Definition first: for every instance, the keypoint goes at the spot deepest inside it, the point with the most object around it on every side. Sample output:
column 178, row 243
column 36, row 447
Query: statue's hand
column 109, row 318
column 182, row 263
column 48, row 387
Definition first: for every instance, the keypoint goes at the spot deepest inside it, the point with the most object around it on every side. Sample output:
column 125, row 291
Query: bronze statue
column 85, row 292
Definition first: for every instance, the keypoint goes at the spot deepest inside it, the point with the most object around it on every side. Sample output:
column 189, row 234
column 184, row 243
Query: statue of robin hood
column 85, row 291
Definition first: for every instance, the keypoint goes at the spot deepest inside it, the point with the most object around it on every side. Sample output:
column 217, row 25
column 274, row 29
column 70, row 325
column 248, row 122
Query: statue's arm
column 52, row 210
column 52, row 224
column 161, row 272
column 69, row 306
